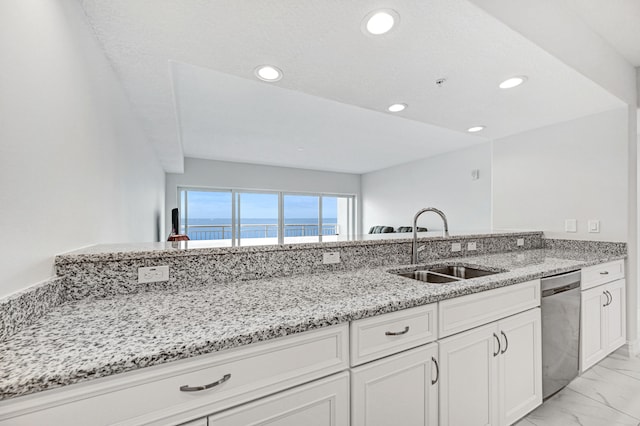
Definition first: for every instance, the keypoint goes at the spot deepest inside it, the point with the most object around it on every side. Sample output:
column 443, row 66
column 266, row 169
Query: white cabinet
column 199, row 422
column 492, row 375
column 602, row 322
column 520, row 364
column 375, row 337
column 398, row 390
column 324, row 402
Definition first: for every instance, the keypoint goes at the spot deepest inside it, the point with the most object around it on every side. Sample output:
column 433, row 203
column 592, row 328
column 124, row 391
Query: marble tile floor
column 607, row 394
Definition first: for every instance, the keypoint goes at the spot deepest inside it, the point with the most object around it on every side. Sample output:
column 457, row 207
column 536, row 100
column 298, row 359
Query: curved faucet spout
column 414, row 245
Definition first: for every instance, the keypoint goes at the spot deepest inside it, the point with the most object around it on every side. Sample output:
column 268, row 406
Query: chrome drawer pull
column 506, row 342
column 397, row 333
column 604, row 273
column 435, row 361
column 187, row 388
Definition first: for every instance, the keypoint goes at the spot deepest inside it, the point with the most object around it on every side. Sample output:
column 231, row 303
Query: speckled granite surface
column 93, row 338
column 21, row 309
column 102, row 275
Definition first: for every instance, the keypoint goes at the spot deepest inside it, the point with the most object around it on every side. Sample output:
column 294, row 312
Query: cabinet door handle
column 506, row 342
column 610, row 297
column 435, row 361
column 397, row 333
column 497, row 340
column 187, row 388
column 605, row 295
column 604, row 273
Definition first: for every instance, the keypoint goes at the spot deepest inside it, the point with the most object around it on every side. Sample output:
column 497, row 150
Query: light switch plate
column 471, row 246
column 571, row 225
column 153, row 274
column 456, row 247
column 331, row 257
column 594, row 226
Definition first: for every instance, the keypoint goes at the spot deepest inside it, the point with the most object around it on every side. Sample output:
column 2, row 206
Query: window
column 241, row 218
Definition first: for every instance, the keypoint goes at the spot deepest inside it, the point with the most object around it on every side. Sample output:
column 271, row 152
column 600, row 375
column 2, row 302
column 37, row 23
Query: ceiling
column 188, row 69
column 617, row 21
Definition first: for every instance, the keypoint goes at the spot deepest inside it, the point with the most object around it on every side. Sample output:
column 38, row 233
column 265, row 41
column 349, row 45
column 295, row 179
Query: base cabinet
column 399, row 390
column 321, row 403
column 492, row 375
column 603, row 327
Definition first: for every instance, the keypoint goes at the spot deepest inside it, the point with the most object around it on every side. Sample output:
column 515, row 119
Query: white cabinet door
column 398, row 390
column 615, row 315
column 603, row 322
column 593, row 345
column 324, row 402
column 468, row 377
column 520, row 365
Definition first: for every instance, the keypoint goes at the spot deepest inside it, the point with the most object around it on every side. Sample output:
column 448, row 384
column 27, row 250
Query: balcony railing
column 259, row 230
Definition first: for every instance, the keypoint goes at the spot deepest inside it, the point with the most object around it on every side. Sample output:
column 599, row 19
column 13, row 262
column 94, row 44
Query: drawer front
column 321, row 403
column 376, row 337
column 466, row 312
column 243, row 374
column 596, row 275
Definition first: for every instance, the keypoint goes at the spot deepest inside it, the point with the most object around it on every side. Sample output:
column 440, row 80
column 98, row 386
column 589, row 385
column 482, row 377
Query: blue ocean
column 218, row 229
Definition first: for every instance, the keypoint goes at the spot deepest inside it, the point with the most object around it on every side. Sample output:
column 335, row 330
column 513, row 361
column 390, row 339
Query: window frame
column 235, row 209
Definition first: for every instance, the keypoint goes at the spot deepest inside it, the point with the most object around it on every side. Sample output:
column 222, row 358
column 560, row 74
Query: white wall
column 75, row 168
column 572, row 170
column 223, row 174
column 392, row 196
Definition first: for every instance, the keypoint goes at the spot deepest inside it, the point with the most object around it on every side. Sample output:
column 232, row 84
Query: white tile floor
column 607, row 394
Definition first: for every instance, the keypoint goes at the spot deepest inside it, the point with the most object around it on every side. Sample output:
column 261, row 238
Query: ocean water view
column 220, row 228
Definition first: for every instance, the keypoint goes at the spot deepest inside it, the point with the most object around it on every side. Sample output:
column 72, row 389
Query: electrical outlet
column 594, row 226
column 456, row 247
column 571, row 225
column 471, row 246
column 520, row 242
column 153, row 274
column 331, row 257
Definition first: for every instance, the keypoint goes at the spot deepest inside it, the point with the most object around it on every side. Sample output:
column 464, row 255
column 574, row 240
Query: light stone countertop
column 88, row 339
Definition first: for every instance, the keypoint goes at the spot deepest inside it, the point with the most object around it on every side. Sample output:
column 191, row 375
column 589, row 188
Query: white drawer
column 465, row 312
column 322, row 402
column 382, row 335
column 595, row 275
column 153, row 396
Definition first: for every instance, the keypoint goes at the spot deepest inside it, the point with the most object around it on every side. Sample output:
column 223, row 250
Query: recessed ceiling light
column 380, row 21
column 268, row 73
column 396, row 107
column 513, row 82
column 475, row 129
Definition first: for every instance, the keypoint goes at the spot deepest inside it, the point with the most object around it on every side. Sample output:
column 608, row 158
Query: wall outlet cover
column 520, row 242
column 456, row 247
column 471, row 246
column 153, row 274
column 594, row 226
column 331, row 257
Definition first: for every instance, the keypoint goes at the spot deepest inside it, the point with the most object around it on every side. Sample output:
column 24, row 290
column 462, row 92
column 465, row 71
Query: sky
column 217, row 205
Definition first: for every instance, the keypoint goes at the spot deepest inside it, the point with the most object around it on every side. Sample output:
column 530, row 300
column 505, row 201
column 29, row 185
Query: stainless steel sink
column 463, row 272
column 445, row 274
column 428, row 277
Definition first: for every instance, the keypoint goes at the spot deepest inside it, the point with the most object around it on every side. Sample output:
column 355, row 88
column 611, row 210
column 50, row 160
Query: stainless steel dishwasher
column 560, row 330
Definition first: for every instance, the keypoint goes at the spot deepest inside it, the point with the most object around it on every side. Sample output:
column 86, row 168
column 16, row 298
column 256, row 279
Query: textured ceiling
column 323, row 53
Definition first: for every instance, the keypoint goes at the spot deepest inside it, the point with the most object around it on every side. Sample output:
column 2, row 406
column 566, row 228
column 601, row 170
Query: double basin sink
column 446, row 274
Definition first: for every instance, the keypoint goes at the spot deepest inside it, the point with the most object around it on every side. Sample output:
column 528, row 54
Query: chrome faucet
column 414, row 245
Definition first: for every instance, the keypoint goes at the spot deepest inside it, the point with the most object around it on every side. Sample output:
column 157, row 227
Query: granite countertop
column 88, row 339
